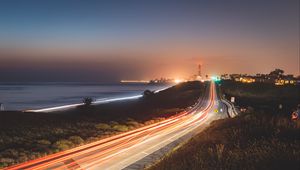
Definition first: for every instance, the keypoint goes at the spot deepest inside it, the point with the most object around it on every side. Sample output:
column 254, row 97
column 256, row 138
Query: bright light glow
column 178, row 81
column 215, row 78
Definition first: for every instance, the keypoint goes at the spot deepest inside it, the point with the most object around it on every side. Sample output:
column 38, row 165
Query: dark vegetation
column 263, row 97
column 263, row 137
column 26, row 136
column 87, row 101
column 249, row 141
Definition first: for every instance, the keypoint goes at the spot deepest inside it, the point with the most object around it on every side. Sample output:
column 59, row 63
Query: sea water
column 45, row 95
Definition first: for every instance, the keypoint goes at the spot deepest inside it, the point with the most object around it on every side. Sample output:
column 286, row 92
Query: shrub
column 87, row 101
column 148, row 93
column 43, row 142
column 58, row 131
column 43, row 145
column 121, row 128
column 112, row 123
column 219, row 149
column 92, row 139
column 76, row 140
column 62, row 144
column 133, row 123
column 6, row 162
column 102, row 126
column 148, row 122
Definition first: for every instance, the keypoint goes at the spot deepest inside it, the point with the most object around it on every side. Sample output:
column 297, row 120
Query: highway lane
column 121, row 150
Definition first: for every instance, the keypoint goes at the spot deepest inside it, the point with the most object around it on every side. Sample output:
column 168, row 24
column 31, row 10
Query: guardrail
column 231, row 111
column 230, row 108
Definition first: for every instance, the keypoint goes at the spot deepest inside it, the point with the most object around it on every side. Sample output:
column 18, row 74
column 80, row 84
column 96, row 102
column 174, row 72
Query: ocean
column 45, row 95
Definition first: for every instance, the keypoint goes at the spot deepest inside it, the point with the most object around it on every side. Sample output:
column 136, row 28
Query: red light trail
column 108, row 149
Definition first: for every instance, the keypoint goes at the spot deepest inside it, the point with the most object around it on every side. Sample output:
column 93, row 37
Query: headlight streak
column 188, row 126
column 90, row 155
column 112, row 148
column 100, row 142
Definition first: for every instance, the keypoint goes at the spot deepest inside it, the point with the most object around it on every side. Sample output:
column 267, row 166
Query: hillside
column 250, row 141
column 261, row 137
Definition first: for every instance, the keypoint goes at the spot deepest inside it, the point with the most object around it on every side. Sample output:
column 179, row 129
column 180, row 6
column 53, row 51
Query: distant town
column 276, row 77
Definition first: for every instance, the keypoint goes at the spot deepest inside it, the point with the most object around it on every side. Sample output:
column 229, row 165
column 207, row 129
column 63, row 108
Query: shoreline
column 98, row 101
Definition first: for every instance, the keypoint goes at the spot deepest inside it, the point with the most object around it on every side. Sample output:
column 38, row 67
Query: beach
column 37, row 96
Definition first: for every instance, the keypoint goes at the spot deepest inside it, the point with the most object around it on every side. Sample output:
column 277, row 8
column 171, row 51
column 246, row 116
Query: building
column 286, row 80
column 275, row 77
column 247, row 79
column 225, row 77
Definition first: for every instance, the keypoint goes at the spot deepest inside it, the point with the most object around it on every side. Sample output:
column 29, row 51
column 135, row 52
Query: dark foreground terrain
column 261, row 137
column 250, row 141
column 27, row 136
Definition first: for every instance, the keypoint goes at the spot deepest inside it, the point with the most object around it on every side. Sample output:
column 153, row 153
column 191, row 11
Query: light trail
column 110, row 150
column 101, row 142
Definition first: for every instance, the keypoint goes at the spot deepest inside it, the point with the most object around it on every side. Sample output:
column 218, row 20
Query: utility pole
column 199, row 70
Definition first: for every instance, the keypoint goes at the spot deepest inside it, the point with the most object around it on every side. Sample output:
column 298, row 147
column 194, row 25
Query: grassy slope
column 252, row 141
column 25, row 136
column 263, row 97
column 265, row 140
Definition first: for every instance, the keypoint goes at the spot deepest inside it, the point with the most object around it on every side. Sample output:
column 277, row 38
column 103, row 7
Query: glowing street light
column 178, row 81
column 215, row 78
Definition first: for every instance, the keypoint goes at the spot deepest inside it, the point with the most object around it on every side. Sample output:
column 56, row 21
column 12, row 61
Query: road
column 123, row 150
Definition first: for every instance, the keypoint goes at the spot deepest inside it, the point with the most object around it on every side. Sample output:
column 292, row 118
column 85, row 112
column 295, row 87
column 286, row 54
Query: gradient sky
column 104, row 41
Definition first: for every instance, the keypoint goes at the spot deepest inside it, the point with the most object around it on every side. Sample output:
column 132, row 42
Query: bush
column 42, row 145
column 76, row 140
column 102, row 126
column 6, row 162
column 43, row 142
column 132, row 123
column 62, row 144
column 148, row 93
column 121, row 128
column 112, row 123
column 87, row 101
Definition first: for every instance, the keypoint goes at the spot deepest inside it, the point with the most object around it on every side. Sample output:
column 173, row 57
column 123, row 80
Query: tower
column 199, row 70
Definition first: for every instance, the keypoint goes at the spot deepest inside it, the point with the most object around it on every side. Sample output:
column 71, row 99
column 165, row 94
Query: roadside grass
column 250, row 141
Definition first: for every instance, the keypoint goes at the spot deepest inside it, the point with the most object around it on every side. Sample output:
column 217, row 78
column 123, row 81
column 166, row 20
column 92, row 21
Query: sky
column 105, row 41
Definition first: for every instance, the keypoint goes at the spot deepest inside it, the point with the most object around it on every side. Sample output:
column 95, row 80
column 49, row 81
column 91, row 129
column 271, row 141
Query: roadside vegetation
column 249, row 141
column 261, row 137
column 27, row 136
column 263, row 97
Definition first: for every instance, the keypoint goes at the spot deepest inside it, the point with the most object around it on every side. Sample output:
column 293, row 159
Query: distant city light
column 215, row 78
column 179, row 80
